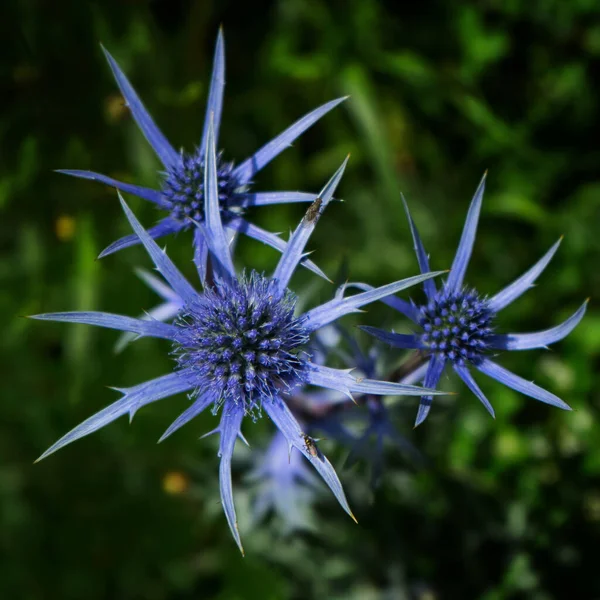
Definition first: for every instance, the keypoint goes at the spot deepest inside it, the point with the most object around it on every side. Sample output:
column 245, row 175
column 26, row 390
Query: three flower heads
column 239, row 346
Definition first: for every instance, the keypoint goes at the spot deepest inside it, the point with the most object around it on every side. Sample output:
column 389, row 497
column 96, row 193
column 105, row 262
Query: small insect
column 309, row 444
column 313, row 210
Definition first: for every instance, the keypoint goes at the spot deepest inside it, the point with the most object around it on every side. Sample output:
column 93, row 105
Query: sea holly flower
column 181, row 193
column 239, row 347
column 458, row 324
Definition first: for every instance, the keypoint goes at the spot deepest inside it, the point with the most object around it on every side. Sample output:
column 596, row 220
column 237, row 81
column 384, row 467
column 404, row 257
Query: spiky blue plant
column 238, row 346
column 458, row 324
column 285, row 485
column 181, row 193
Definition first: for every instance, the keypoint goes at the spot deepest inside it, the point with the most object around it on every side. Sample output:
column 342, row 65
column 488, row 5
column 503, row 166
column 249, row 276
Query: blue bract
column 182, row 192
column 285, row 486
column 239, row 347
column 457, row 323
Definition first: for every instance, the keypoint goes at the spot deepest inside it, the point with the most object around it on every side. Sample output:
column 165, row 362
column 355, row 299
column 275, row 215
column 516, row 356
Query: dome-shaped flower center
column 457, row 325
column 243, row 342
column 184, row 187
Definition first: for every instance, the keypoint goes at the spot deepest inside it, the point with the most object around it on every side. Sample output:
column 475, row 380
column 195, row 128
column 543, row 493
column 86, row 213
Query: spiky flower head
column 457, row 326
column 182, row 192
column 238, row 346
column 183, row 187
column 244, row 341
column 458, row 323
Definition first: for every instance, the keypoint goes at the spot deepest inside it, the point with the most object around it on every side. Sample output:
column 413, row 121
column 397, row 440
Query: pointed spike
column 211, row 432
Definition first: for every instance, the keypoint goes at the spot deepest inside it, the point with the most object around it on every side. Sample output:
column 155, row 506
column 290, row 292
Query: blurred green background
column 440, row 91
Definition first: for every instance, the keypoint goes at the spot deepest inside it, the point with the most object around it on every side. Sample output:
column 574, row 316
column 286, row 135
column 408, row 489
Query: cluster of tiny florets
column 184, row 187
column 243, row 342
column 457, row 325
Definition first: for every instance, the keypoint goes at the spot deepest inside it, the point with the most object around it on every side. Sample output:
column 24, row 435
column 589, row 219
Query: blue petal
column 240, row 225
column 187, row 415
column 246, row 170
column 162, row 228
column 342, row 381
column 200, row 254
column 522, row 284
column 214, row 234
column 465, row 375
column 338, row 307
column 434, row 372
column 214, row 105
column 294, row 251
column 231, row 421
column 397, row 340
column 422, row 258
column 270, row 198
column 157, row 140
column 389, row 388
column 519, row 384
column 339, row 380
column 406, row 308
column 101, row 319
column 416, row 376
column 136, row 190
column 163, row 263
column 159, row 286
column 539, row 339
column 133, row 398
column 288, row 425
column 465, row 247
column 163, row 312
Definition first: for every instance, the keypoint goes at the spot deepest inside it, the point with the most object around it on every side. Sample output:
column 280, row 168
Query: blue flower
column 239, row 347
column 285, row 485
column 458, row 323
column 181, row 194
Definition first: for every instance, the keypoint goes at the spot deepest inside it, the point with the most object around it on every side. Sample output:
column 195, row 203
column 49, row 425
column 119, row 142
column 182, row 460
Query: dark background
column 440, row 91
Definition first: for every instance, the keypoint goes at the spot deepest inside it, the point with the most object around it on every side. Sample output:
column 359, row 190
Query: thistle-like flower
column 182, row 191
column 458, row 323
column 238, row 346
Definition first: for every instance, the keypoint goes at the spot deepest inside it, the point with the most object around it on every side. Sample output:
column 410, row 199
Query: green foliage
column 440, row 92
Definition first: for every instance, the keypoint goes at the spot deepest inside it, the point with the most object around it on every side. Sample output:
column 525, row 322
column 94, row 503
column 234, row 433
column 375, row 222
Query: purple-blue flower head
column 182, row 192
column 457, row 323
column 239, row 347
